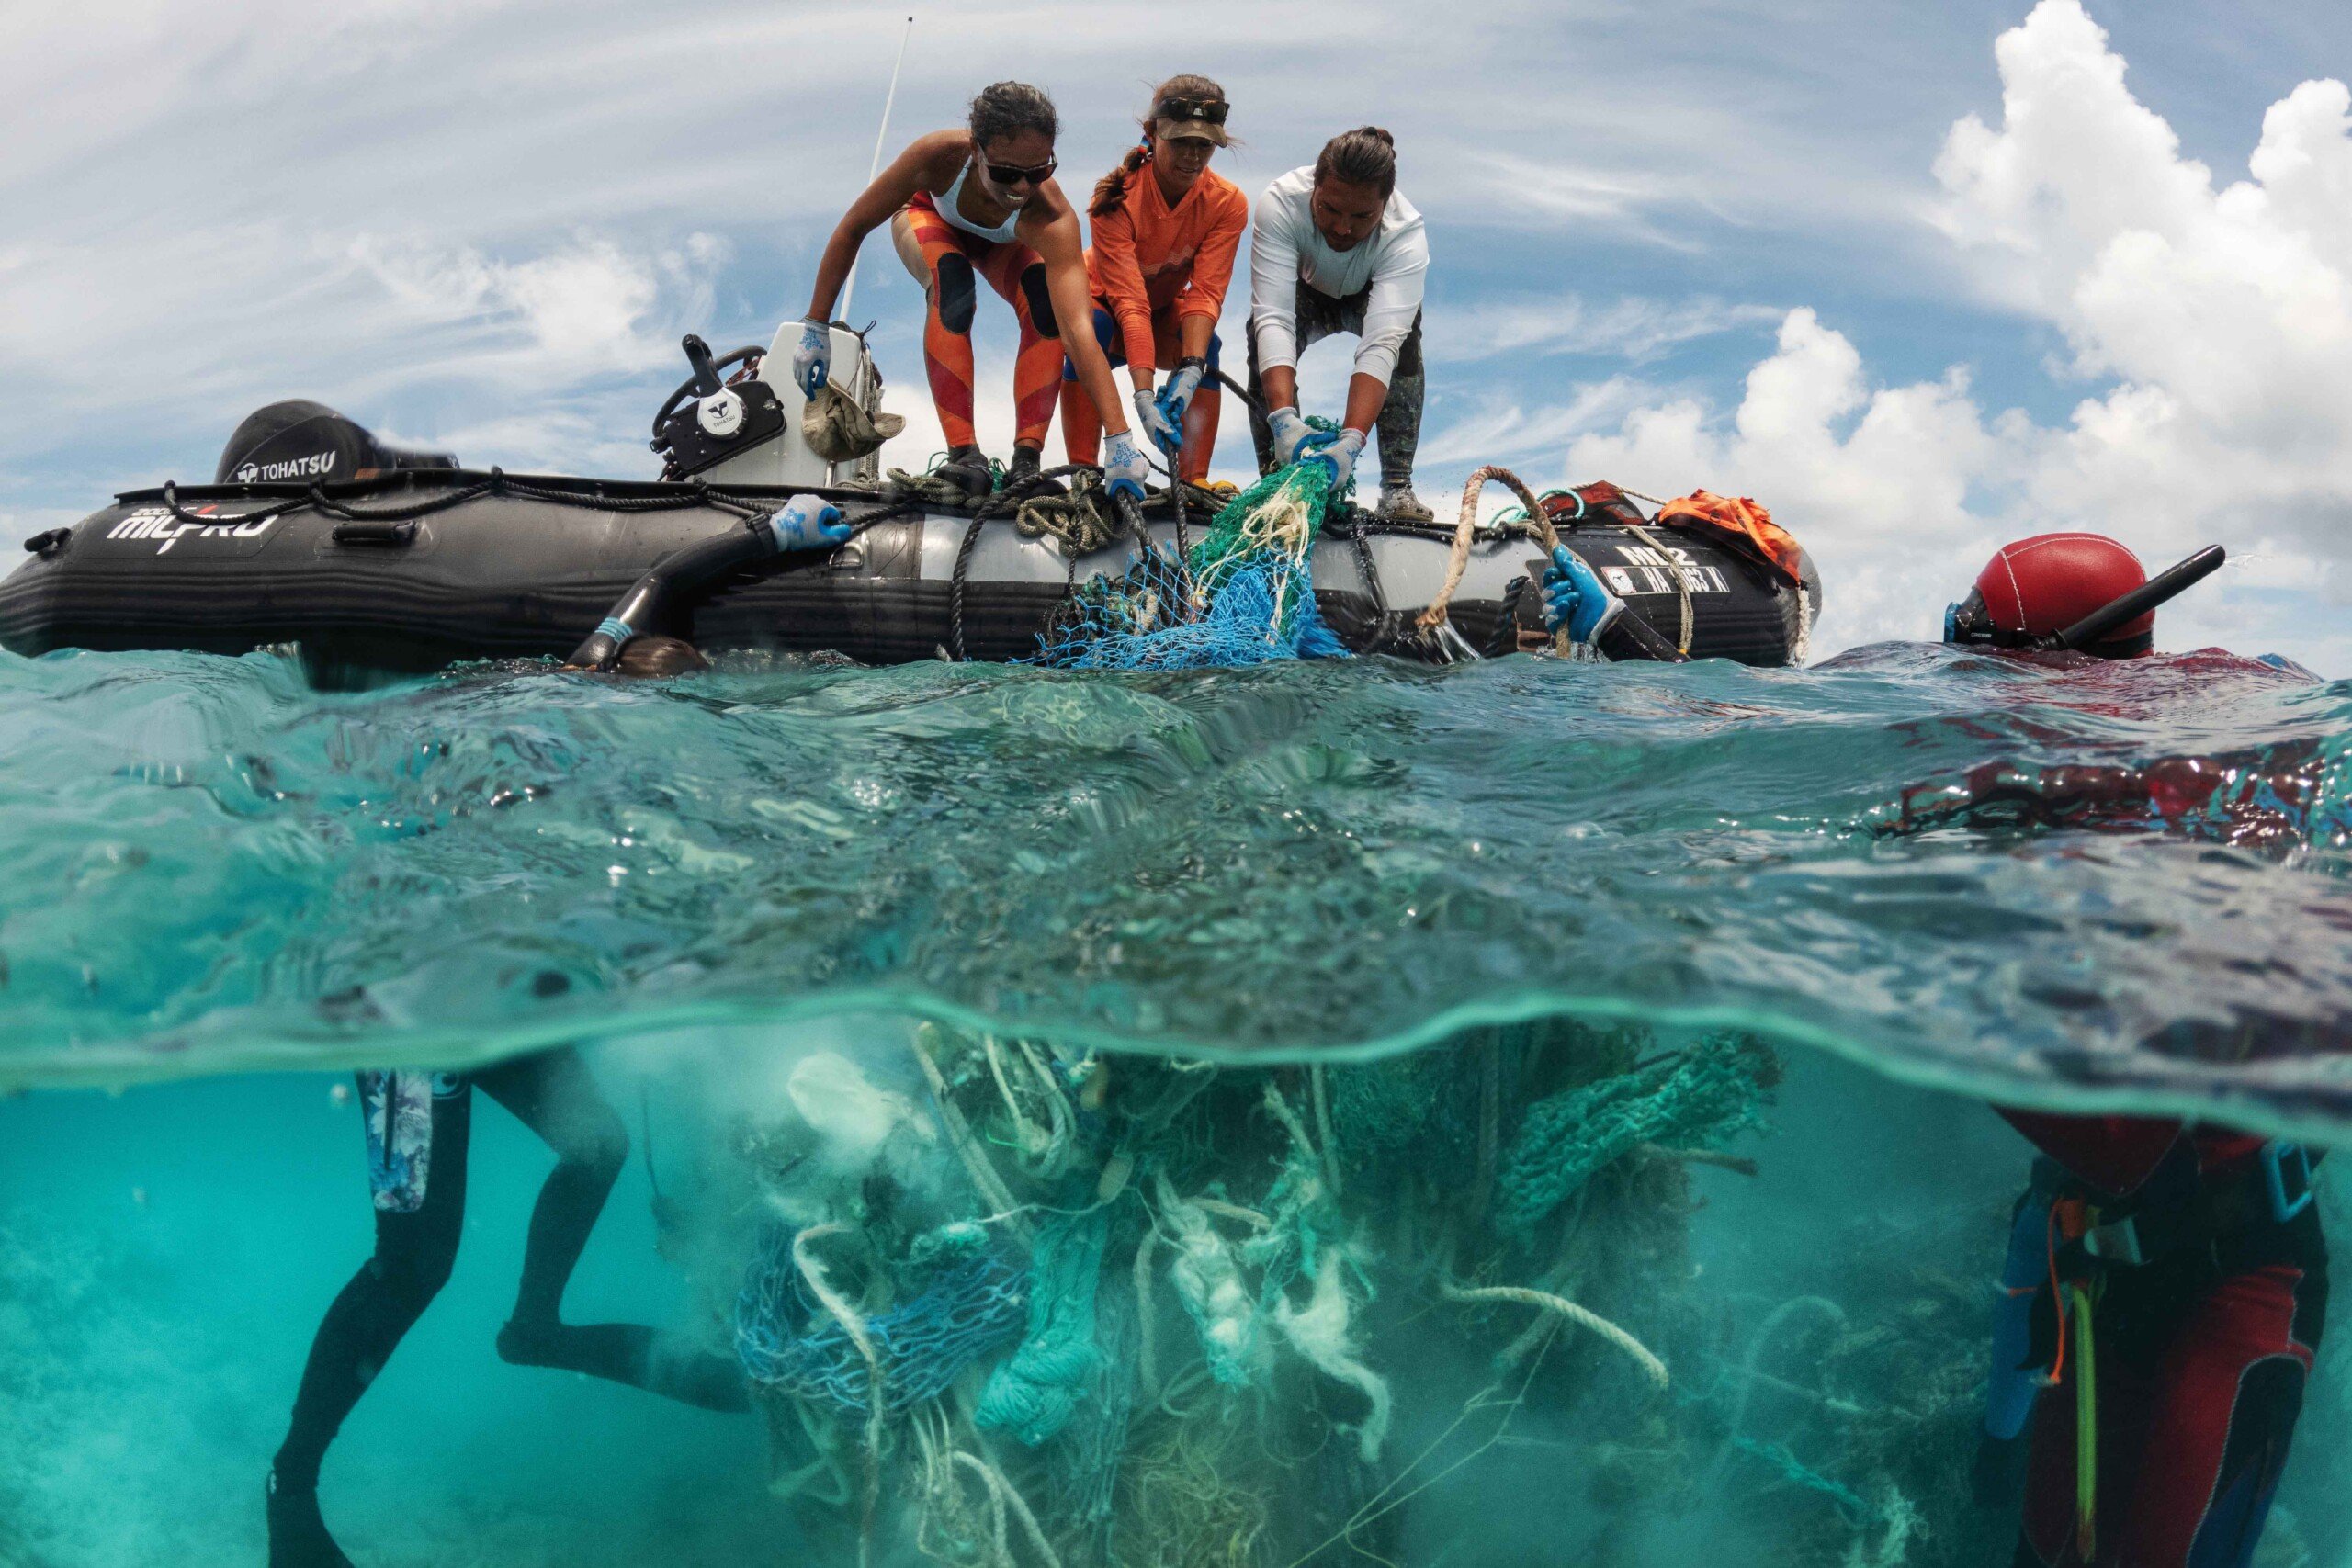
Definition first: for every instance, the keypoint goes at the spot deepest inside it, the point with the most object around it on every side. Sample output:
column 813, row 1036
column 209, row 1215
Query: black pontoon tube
column 2164, row 585
column 641, row 608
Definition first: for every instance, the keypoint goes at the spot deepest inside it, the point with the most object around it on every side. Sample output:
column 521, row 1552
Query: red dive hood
column 2039, row 586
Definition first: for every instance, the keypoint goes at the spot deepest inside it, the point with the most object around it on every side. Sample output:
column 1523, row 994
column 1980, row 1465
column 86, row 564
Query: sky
column 1921, row 278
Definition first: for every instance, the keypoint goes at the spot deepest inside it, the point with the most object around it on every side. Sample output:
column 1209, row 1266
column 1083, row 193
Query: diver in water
column 1336, row 250
column 419, row 1127
column 2181, row 1267
column 658, row 657
column 980, row 204
column 2031, row 593
column 1166, row 229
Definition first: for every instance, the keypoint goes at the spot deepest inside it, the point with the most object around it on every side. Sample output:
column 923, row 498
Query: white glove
column 812, row 362
column 1336, row 450
column 808, row 523
column 1289, row 431
column 1155, row 424
column 1124, row 469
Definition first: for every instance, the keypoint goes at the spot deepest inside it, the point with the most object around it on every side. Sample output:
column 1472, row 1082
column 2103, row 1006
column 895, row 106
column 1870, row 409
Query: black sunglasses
column 1014, row 175
column 1209, row 109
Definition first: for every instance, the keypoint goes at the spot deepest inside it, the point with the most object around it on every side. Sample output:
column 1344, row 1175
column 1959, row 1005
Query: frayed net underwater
column 1525, row 1112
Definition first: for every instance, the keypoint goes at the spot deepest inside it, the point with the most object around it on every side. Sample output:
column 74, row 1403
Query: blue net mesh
column 1246, row 594
column 788, row 1342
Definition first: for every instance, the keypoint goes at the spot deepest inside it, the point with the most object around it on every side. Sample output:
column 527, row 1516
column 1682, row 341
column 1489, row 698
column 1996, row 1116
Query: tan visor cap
column 1192, row 131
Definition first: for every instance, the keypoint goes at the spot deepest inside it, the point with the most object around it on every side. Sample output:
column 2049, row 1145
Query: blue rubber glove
column 1289, row 431
column 1575, row 599
column 1153, row 421
column 813, row 360
column 1124, row 469
column 1177, row 396
column 1336, row 450
column 808, row 523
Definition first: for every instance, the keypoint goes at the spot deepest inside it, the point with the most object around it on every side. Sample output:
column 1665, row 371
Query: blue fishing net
column 788, row 1342
column 1245, row 595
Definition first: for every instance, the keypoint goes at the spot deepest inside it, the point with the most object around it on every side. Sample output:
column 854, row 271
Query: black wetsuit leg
column 554, row 1095
column 411, row 1263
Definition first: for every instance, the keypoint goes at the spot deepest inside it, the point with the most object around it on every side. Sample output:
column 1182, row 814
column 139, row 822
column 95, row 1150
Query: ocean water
column 1915, row 879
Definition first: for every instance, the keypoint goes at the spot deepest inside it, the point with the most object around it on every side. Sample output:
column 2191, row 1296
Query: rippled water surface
column 214, row 866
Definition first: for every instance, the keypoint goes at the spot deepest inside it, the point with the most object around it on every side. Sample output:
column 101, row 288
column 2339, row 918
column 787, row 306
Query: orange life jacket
column 1743, row 525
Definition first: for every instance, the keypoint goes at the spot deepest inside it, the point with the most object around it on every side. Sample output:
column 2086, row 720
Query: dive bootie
column 1021, row 474
column 298, row 1536
column 1399, row 504
column 626, row 1353
column 968, row 467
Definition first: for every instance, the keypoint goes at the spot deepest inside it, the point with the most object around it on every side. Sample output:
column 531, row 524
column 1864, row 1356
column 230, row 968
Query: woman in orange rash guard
column 966, row 206
column 1166, row 229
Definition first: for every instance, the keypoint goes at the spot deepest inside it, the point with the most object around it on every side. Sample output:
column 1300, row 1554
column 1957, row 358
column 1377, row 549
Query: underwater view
column 1339, row 1111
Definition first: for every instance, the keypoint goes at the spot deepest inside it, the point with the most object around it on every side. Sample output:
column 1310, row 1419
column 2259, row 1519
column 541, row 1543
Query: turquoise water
column 227, row 889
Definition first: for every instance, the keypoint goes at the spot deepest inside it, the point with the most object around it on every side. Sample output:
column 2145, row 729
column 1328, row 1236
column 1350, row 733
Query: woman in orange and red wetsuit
column 1166, row 229
column 975, row 204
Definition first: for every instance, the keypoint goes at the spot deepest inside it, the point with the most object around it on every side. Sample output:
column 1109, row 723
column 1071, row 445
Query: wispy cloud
column 1633, row 329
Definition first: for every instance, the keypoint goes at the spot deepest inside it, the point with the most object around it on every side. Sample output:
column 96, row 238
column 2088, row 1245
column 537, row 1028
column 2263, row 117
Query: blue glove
column 1153, row 421
column 1336, row 451
column 808, row 523
column 1575, row 599
column 1289, row 431
column 1177, row 396
column 813, row 360
column 1124, row 469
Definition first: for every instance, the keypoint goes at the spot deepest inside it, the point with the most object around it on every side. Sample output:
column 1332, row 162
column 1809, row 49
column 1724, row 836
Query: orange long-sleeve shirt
column 1147, row 256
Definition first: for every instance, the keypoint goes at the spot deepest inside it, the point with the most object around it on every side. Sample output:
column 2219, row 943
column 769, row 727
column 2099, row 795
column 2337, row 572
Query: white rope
column 1458, row 561
column 1585, row 1317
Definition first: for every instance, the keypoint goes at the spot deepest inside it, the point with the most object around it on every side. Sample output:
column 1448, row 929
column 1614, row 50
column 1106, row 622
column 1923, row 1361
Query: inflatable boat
column 369, row 559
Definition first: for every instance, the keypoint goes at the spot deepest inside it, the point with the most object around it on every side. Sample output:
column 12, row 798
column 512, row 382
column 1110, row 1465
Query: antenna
column 881, row 134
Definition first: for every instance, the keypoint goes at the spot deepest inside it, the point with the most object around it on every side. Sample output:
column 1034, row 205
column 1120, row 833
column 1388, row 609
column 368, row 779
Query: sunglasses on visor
column 1209, row 109
column 1014, row 175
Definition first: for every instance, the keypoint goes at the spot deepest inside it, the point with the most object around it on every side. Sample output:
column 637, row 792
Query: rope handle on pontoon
column 1434, row 618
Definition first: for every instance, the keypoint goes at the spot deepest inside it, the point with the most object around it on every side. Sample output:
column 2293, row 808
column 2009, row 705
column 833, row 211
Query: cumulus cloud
column 2214, row 327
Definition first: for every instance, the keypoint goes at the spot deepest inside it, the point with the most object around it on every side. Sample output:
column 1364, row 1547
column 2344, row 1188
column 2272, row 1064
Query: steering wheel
column 706, row 378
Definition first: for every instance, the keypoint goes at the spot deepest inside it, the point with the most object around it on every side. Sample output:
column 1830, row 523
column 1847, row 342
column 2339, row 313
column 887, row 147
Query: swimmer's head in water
column 2036, row 588
column 655, row 657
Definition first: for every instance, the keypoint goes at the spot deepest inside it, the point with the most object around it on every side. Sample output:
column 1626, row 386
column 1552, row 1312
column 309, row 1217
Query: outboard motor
column 301, row 442
column 741, row 428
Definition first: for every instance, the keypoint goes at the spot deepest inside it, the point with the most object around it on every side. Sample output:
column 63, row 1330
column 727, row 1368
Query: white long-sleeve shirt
column 1285, row 250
